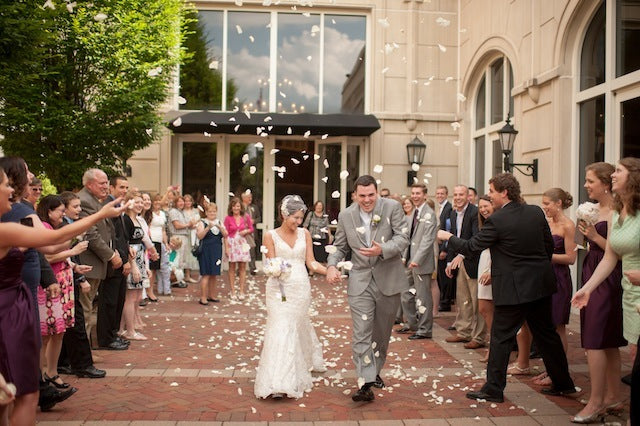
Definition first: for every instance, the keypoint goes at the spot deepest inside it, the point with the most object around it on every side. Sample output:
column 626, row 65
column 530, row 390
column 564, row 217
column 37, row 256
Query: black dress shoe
column 483, row 395
column 64, row 369
column 379, row 383
column 122, row 341
column 553, row 391
column 203, row 303
column 90, row 372
column 114, row 346
column 51, row 396
column 451, row 328
column 364, row 394
column 418, row 337
column 397, row 322
column 404, row 330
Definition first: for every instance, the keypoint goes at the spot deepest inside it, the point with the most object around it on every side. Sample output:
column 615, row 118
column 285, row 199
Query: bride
column 291, row 349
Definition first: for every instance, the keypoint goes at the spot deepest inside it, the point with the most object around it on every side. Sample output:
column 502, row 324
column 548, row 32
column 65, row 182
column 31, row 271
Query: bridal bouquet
column 588, row 212
column 278, row 269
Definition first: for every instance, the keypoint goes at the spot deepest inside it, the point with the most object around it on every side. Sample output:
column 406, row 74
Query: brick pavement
column 198, row 367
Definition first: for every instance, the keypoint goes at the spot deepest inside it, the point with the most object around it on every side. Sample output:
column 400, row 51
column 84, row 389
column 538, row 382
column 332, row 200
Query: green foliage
column 47, row 187
column 80, row 91
column 201, row 85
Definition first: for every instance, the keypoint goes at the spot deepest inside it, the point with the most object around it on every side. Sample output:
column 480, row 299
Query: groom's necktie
column 414, row 225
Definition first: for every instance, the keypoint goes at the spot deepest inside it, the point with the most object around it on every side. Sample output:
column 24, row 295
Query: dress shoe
column 483, row 395
column 553, row 391
column 122, row 340
column 90, row 372
column 203, row 303
column 451, row 328
column 404, row 330
column 419, row 336
column 364, row 394
column 210, row 299
column 473, row 345
column 114, row 346
column 143, row 302
column 396, row 322
column 379, row 383
column 51, row 396
column 626, row 379
column 64, row 369
column 456, row 339
column 152, row 300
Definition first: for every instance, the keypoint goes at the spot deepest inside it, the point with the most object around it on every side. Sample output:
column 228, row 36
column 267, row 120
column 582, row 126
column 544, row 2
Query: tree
column 200, row 84
column 82, row 84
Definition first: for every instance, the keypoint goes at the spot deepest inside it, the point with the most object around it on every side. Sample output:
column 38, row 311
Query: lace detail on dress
column 291, row 348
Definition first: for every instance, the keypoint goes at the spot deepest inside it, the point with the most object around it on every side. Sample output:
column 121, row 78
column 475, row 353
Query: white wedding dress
column 291, row 349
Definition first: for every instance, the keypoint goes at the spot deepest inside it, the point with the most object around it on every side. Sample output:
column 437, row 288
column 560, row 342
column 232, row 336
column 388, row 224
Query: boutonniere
column 375, row 220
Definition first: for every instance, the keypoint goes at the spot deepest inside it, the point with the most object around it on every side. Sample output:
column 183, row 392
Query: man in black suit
column 446, row 284
column 523, row 281
column 470, row 326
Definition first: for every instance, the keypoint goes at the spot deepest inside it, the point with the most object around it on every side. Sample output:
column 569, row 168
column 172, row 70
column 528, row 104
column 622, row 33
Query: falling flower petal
column 443, row 22
column 177, row 122
column 326, row 163
column 245, row 158
column 325, row 179
column 214, row 65
column 415, row 167
column 344, row 174
column 307, row 134
column 100, row 17
column 442, row 48
column 316, row 157
column 49, row 4
column 252, row 169
column 181, row 100
column 330, row 249
column 289, row 131
column 378, row 168
column 455, row 125
column 456, row 143
column 335, row 194
column 239, row 29
column 448, row 79
column 361, row 230
column 264, row 249
column 295, row 161
column 384, row 23
column 174, row 384
column 274, row 150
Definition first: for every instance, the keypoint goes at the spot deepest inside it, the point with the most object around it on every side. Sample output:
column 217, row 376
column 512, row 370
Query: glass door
column 245, row 170
column 294, row 173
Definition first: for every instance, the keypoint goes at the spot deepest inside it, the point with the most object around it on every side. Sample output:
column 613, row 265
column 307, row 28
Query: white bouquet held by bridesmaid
column 279, row 269
column 588, row 213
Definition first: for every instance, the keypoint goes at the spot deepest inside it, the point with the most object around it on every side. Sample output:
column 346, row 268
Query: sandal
column 542, row 379
column 53, row 381
column 135, row 336
column 515, row 370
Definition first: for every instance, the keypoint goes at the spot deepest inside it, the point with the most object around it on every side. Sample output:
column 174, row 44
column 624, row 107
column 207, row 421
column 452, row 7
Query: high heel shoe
column 615, row 409
column 53, row 381
column 596, row 417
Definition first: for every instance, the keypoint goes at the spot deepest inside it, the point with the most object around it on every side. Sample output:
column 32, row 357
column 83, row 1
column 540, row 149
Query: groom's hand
column 373, row 251
column 333, row 275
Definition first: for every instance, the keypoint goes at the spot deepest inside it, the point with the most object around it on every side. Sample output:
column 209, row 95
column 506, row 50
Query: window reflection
column 248, row 60
column 199, row 169
column 298, row 63
column 497, row 91
column 627, row 36
column 201, row 75
column 593, row 51
column 480, row 105
column 480, row 164
column 591, row 135
column 344, row 64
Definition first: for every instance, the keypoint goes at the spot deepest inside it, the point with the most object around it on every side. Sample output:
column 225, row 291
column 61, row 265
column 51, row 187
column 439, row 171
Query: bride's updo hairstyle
column 291, row 204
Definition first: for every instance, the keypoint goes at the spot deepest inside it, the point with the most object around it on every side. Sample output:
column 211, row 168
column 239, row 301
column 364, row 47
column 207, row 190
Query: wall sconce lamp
column 415, row 155
column 507, row 137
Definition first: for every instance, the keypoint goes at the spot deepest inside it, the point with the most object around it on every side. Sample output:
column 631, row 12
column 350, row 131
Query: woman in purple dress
column 19, row 355
column 601, row 319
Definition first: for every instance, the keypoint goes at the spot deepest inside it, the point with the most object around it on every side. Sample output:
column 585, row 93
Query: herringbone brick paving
column 199, row 365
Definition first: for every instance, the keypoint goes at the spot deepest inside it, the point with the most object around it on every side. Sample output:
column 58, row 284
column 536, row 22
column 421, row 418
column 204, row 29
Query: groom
column 375, row 232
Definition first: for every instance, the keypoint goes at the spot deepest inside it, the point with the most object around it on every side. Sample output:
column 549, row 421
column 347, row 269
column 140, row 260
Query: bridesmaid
column 601, row 320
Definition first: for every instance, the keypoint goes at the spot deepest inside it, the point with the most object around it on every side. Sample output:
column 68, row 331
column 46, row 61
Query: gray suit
column 375, row 283
column 421, row 253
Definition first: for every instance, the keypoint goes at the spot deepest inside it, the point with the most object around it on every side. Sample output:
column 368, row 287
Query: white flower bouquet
column 588, row 212
column 278, row 269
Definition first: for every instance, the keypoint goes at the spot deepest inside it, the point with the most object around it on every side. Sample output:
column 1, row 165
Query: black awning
column 275, row 124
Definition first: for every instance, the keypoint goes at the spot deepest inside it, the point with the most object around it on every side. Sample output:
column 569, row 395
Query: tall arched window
column 608, row 87
column 493, row 102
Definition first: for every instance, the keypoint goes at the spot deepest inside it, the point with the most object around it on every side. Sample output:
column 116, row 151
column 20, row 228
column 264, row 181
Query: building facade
column 301, row 97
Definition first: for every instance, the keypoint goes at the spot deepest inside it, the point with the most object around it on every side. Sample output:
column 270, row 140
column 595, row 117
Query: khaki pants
column 86, row 300
column 469, row 323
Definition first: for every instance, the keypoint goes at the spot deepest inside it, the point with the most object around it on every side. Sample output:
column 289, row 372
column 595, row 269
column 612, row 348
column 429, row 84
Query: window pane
column 332, row 153
column 593, row 51
column 248, row 60
column 353, row 165
column 241, row 178
column 201, row 75
column 497, row 91
column 591, row 137
column 627, row 36
column 298, row 63
column 199, row 169
column 298, row 179
column 479, row 184
column 480, row 105
column 631, row 128
column 498, row 161
column 344, row 64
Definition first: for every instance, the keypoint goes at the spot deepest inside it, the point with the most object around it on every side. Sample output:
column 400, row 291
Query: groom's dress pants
column 373, row 315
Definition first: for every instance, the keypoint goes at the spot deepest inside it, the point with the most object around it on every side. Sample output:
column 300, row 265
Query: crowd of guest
column 109, row 249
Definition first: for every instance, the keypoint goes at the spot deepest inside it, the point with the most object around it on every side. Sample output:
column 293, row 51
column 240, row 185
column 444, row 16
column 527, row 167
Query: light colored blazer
column 390, row 232
column 422, row 241
column 99, row 236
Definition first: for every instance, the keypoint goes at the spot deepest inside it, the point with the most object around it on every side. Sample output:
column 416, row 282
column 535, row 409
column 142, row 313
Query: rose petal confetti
column 239, row 29
column 330, row 249
column 177, row 122
column 252, row 169
column 335, row 194
column 378, row 168
column 100, row 17
column 442, row 48
column 344, row 174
